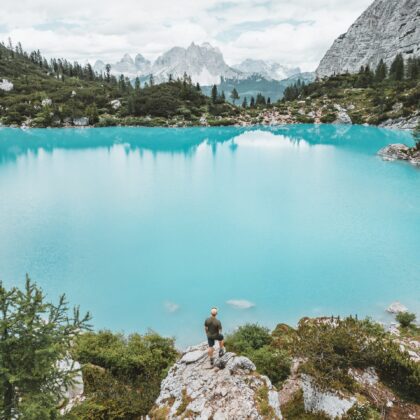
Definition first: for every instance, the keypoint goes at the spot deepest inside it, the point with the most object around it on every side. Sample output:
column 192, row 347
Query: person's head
column 213, row 311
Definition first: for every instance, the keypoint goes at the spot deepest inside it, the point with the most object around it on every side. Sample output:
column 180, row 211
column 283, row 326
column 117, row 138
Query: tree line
column 400, row 70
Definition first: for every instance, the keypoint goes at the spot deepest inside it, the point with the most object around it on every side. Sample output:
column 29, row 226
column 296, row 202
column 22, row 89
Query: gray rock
column 342, row 116
column 6, row 85
column 396, row 307
column 202, row 392
column 394, row 152
column 385, row 29
column 401, row 123
column 332, row 404
column 81, row 122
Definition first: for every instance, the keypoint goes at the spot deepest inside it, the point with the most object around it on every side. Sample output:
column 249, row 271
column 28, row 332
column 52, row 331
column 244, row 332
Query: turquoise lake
column 150, row 227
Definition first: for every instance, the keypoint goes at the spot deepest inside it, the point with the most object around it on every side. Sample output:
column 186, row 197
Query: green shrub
column 122, row 375
column 328, row 118
column 405, row 319
column 271, row 362
column 248, row 337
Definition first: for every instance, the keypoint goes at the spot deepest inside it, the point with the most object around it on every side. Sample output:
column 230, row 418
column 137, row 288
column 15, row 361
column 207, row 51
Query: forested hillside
column 40, row 93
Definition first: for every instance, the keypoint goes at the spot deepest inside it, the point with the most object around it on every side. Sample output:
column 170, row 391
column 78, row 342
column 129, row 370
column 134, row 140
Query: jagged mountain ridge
column 204, row 63
column 269, row 70
column 386, row 28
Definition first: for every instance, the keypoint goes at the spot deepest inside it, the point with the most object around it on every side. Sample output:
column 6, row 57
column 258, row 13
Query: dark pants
column 211, row 341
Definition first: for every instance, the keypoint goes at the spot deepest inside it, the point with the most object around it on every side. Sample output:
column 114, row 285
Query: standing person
column 213, row 329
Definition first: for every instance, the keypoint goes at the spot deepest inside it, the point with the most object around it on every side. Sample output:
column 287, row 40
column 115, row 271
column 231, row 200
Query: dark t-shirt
column 213, row 327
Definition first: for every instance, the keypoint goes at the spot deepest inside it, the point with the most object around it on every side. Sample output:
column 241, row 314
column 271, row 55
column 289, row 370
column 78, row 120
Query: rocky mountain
column 267, row 69
column 386, row 28
column 231, row 390
column 127, row 66
column 204, row 63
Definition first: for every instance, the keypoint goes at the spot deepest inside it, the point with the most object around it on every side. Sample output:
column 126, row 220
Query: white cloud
column 295, row 33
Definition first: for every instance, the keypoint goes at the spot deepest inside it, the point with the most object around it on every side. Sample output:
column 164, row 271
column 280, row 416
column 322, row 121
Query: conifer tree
column 245, row 103
column 234, row 95
column 381, row 71
column 214, row 94
column 396, row 72
column 34, row 337
column 137, row 84
column 252, row 102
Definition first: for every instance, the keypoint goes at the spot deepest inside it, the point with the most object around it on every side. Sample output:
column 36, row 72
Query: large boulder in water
column 231, row 390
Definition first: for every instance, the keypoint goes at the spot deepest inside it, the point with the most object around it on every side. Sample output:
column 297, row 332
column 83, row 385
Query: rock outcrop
column 399, row 152
column 385, row 29
column 6, row 85
column 332, row 404
column 231, row 390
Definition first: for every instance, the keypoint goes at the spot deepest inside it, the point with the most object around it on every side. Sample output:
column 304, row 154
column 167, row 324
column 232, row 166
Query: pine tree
column 214, row 94
column 381, row 71
column 34, row 337
column 137, row 84
column 234, row 95
column 245, row 103
column 252, row 102
column 108, row 72
column 396, row 72
column 198, row 87
column 151, row 80
column 413, row 68
column 121, row 83
column 223, row 96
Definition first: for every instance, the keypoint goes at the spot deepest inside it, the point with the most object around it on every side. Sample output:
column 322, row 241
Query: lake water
column 150, row 227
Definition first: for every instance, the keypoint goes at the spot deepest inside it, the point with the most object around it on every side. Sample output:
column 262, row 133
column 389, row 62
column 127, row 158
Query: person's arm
column 206, row 328
column 220, row 326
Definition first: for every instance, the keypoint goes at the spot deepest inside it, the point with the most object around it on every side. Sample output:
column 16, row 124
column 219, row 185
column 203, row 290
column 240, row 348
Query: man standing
column 213, row 329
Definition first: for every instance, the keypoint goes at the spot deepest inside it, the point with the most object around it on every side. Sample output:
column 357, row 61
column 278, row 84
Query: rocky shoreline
column 400, row 152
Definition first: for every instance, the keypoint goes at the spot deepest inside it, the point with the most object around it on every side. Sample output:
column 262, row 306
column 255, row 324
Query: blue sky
column 292, row 32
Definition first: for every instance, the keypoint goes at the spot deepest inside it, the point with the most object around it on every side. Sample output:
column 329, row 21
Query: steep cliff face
column 386, row 28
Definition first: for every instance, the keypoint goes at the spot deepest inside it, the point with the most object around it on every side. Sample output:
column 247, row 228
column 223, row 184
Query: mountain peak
column 385, row 29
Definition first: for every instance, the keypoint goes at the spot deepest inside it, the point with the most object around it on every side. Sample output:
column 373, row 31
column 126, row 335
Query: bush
column 248, row 337
column 122, row 375
column 405, row 319
column 272, row 362
column 328, row 118
column 331, row 348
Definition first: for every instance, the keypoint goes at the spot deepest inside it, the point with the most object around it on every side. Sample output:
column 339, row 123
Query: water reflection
column 16, row 142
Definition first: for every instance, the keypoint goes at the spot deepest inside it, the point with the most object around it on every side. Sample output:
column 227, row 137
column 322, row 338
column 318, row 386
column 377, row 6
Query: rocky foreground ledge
column 230, row 390
column 400, row 152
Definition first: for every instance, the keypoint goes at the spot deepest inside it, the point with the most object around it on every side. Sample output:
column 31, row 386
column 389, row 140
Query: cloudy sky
column 292, row 32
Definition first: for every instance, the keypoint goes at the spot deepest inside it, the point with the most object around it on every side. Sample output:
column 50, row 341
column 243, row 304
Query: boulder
column 331, row 403
column 396, row 307
column 116, row 104
column 81, row 122
column 342, row 116
column 6, row 85
column 195, row 390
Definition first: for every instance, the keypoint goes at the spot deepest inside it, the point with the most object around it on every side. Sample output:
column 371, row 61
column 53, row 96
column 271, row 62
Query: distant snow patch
column 171, row 306
column 240, row 303
column 6, row 85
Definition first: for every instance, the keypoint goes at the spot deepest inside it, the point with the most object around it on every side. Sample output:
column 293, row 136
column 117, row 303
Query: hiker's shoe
column 212, row 361
column 222, row 352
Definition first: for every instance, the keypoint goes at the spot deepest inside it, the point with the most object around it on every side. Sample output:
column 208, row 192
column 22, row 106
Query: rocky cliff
column 385, row 29
column 231, row 390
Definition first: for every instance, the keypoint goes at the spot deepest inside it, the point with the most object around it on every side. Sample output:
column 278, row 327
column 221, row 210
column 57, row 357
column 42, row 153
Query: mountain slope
column 386, row 28
column 268, row 70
